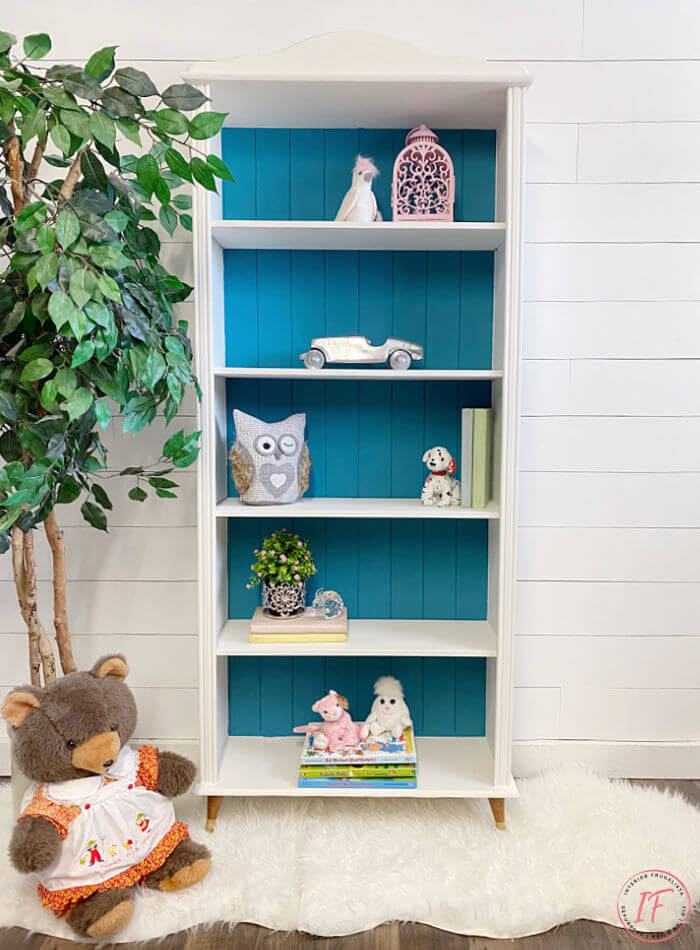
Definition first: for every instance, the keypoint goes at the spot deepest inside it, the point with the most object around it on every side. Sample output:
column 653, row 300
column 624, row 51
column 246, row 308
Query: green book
column 481, row 459
column 358, row 771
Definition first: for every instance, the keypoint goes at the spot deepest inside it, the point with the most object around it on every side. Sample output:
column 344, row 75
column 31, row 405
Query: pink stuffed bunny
column 337, row 729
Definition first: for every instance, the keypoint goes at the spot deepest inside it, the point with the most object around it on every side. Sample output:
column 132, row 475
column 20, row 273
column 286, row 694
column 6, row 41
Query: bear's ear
column 17, row 707
column 114, row 665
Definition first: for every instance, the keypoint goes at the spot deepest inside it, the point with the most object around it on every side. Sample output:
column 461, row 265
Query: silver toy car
column 358, row 349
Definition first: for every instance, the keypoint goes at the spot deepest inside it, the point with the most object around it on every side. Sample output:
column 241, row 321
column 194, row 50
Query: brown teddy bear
column 98, row 819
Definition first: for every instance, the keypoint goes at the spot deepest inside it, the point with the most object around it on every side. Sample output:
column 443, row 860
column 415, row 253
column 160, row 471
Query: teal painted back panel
column 302, row 174
column 270, row 695
column 277, row 301
column 366, row 439
column 410, row 569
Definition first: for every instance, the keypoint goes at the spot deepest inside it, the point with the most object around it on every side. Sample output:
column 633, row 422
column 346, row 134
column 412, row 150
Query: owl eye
column 265, row 445
column 287, row 444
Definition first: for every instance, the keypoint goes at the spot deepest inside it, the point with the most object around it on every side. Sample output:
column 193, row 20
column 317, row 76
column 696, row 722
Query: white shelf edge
column 367, row 637
column 385, row 235
column 353, row 508
column 448, row 767
column 324, row 375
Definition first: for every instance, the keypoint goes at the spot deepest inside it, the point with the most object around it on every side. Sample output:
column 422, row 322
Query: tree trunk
column 20, row 583
column 60, row 605
column 48, row 661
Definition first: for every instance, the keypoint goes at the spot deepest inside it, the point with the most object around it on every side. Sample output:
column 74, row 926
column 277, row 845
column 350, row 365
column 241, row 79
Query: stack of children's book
column 375, row 762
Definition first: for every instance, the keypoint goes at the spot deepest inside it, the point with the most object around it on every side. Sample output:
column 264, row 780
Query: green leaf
column 171, row 122
column 177, row 164
column 163, row 192
column 138, row 494
column 91, row 167
column 68, row 492
column 102, row 128
column 102, row 413
column 94, row 515
column 37, row 369
column 155, row 369
column 136, row 82
column 147, row 173
column 120, row 103
column 49, row 391
column 45, row 269
column 99, row 313
column 206, row 124
column 31, row 216
column 202, row 173
column 186, row 221
column 37, row 45
column 183, row 202
column 67, row 229
column 60, row 138
column 81, row 84
column 80, row 289
column 82, row 353
column 8, row 407
column 219, row 168
column 60, row 308
column 174, row 444
column 130, row 129
column 101, row 63
column 168, row 218
column 101, row 497
column 45, row 239
column 59, row 97
column 77, row 122
column 34, row 124
column 78, row 402
column 108, row 257
column 109, row 287
column 117, row 220
column 183, row 96
column 7, row 40
column 162, row 482
column 66, row 381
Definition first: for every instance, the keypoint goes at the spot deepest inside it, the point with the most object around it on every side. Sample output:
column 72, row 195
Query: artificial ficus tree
column 87, row 328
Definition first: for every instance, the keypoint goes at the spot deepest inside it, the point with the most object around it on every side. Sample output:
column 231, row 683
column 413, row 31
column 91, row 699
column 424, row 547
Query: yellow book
column 297, row 638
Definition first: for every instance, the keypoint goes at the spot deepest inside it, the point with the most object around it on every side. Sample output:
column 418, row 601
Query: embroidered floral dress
column 116, row 829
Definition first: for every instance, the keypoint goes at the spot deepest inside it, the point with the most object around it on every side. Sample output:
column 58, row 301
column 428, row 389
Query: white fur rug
column 334, row 867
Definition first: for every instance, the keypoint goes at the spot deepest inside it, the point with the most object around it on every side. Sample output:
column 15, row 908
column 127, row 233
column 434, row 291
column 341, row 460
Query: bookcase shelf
column 449, row 767
column 429, row 591
column 352, row 508
column 347, row 236
column 337, row 373
column 449, row 638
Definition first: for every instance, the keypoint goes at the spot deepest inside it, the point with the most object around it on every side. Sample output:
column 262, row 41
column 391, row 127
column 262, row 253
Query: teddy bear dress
column 116, row 829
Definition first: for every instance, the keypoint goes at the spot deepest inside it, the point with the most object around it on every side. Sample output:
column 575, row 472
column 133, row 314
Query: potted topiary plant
column 282, row 565
column 87, row 327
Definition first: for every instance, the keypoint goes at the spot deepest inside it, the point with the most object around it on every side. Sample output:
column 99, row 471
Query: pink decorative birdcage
column 423, row 187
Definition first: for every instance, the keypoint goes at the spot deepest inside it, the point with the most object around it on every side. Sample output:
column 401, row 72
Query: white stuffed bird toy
column 389, row 712
column 360, row 203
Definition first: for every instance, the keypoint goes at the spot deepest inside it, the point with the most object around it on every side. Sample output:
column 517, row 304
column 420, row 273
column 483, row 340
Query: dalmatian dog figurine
column 441, row 489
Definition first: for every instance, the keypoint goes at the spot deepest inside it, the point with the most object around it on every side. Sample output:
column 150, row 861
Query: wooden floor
column 580, row 935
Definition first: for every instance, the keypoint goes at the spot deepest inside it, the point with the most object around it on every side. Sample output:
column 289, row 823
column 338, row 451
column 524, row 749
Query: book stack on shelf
column 375, row 762
column 476, row 457
column 309, row 627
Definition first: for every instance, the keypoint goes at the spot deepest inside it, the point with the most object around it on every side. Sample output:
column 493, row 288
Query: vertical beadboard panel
column 380, row 567
column 366, row 439
column 270, row 695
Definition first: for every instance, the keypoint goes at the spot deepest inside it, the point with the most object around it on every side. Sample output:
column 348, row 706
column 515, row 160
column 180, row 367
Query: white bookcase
column 361, row 80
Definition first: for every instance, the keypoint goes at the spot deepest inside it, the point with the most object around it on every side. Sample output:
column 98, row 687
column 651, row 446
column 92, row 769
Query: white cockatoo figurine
column 360, row 203
column 389, row 712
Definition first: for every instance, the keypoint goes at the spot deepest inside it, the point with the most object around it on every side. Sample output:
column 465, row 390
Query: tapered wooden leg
column 498, row 807
column 213, row 806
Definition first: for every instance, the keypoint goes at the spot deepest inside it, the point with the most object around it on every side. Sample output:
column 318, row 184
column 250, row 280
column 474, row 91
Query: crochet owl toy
column 270, row 461
column 98, row 819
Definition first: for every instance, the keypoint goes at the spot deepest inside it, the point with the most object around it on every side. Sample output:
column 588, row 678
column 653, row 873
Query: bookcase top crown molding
column 323, row 79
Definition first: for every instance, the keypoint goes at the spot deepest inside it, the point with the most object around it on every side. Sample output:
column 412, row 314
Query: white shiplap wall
column 608, row 649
